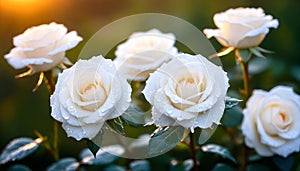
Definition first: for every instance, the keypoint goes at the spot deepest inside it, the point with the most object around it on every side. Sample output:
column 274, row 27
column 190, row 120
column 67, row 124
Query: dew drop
column 103, row 110
column 169, row 111
column 67, row 117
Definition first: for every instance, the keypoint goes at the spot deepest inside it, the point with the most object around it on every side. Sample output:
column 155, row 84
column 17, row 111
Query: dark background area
column 22, row 112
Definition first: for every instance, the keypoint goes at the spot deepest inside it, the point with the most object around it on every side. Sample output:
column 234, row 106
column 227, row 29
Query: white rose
column 88, row 94
column 143, row 53
column 271, row 123
column 188, row 91
column 241, row 27
column 41, row 48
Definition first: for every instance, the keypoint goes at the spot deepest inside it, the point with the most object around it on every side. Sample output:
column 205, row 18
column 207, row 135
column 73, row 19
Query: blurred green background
column 22, row 112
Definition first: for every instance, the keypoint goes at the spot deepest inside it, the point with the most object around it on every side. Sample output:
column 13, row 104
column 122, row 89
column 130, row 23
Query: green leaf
column 230, row 102
column 257, row 53
column 222, row 167
column 257, row 167
column 105, row 155
column 19, row 167
column 92, row 147
column 116, row 125
column 140, row 165
column 19, row 148
column 134, row 116
column 254, row 157
column 188, row 164
column 263, row 50
column 65, row 164
column 114, row 168
column 232, row 117
column 245, row 54
column 207, row 133
column 67, row 61
column 176, row 166
column 284, row 164
column 217, row 149
column 164, row 140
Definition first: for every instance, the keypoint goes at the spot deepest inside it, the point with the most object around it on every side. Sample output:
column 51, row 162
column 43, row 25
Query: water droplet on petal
column 67, row 117
column 169, row 111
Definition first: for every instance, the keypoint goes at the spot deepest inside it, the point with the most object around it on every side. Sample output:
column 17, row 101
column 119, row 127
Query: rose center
column 282, row 120
column 189, row 89
column 95, row 94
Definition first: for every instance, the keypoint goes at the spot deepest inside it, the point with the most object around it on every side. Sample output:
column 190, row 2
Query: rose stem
column 244, row 67
column 51, row 87
column 246, row 93
column 193, row 149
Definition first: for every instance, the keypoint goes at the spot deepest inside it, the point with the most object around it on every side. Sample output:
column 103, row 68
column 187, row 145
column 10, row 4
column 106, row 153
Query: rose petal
column 40, row 36
column 288, row 148
column 68, row 42
column 80, row 132
column 18, row 60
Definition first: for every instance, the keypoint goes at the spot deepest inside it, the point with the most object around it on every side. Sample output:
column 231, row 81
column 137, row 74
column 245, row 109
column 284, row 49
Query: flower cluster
column 184, row 90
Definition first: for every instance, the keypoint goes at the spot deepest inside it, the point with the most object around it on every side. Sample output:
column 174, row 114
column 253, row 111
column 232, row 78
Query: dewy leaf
column 93, row 147
column 134, row 116
column 19, row 148
column 207, row 133
column 86, row 156
column 65, row 164
column 116, row 125
column 232, row 117
column 165, row 140
column 107, row 155
column 188, row 164
column 230, row 102
column 19, row 167
column 140, row 165
column 217, row 149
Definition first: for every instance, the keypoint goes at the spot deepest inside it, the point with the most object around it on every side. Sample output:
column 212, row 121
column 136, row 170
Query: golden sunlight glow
column 23, row 6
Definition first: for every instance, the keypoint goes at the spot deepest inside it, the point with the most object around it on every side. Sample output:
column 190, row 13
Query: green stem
column 244, row 67
column 55, row 141
column 246, row 93
column 193, row 149
column 51, row 86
